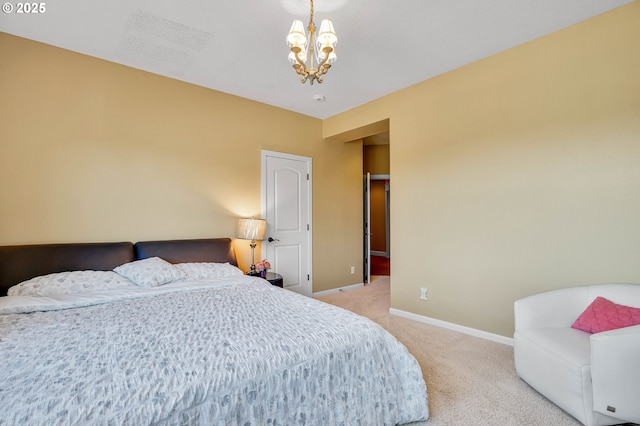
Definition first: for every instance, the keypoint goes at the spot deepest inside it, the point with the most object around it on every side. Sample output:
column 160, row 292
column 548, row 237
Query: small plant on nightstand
column 262, row 267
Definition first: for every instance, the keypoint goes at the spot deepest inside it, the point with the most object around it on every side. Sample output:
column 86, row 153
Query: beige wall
column 376, row 159
column 513, row 175
column 517, row 174
column 94, row 151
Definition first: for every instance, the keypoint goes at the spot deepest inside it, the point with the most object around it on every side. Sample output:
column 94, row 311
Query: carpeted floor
column 470, row 381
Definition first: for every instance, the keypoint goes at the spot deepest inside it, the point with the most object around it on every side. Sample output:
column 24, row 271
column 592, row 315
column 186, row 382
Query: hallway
column 380, row 265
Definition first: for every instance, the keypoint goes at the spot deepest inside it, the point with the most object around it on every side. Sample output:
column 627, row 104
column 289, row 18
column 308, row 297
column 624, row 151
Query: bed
column 210, row 347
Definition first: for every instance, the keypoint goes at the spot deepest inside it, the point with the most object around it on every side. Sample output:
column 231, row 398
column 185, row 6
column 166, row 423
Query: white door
column 286, row 205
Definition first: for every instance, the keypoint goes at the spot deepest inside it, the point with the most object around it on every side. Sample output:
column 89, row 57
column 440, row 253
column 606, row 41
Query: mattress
column 232, row 351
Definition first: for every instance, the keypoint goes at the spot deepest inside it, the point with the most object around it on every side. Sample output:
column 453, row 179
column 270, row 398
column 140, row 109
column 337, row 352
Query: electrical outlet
column 353, row 269
column 423, row 294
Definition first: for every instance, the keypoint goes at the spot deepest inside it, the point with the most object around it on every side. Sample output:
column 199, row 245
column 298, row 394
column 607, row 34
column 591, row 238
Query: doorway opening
column 374, row 138
column 379, row 217
column 376, row 206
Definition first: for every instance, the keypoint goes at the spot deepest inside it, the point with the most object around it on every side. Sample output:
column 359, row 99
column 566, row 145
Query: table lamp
column 254, row 230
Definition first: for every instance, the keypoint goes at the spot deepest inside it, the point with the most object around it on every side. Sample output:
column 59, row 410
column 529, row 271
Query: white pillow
column 203, row 271
column 151, row 272
column 67, row 283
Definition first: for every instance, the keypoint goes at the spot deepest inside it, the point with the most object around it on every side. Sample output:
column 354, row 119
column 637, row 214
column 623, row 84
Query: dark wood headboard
column 20, row 263
column 178, row 251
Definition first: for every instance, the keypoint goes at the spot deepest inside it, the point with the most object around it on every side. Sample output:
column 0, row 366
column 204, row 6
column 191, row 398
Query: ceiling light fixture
column 323, row 49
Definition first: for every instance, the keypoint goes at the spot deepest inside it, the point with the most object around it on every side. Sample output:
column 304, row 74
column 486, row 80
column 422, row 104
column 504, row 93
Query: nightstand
column 275, row 279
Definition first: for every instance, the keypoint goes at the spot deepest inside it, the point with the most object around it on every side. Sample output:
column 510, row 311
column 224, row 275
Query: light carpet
column 470, row 381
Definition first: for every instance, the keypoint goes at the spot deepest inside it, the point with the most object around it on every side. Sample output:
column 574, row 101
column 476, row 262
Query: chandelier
column 322, row 48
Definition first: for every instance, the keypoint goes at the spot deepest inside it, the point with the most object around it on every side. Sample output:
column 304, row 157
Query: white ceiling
column 238, row 46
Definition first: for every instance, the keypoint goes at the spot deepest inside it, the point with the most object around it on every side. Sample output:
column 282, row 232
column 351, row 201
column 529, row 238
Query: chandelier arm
column 327, row 51
column 323, row 66
column 296, row 51
column 300, row 67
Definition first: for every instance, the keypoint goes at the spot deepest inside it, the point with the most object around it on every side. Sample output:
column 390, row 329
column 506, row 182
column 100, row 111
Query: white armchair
column 593, row 377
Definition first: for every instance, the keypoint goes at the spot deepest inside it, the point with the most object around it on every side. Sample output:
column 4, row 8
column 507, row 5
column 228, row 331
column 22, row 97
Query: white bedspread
column 238, row 352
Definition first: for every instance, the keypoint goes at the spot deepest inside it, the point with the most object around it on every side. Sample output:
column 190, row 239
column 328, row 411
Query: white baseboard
column 338, row 290
column 455, row 327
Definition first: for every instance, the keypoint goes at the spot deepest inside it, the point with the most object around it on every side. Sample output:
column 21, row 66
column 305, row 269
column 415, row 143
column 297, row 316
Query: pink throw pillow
column 602, row 315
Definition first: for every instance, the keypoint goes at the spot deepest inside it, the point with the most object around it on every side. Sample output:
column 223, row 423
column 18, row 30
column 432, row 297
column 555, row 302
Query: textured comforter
column 233, row 352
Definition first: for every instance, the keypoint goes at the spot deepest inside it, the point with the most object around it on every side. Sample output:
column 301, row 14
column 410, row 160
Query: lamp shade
column 327, row 35
column 296, row 36
column 251, row 229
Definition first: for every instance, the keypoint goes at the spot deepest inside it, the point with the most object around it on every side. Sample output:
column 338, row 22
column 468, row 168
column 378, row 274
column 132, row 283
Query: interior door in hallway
column 286, row 204
column 366, row 222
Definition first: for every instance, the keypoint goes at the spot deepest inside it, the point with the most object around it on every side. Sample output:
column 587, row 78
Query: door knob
column 272, row 239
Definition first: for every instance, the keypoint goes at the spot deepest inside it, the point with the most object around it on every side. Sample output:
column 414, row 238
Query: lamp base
column 253, row 271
